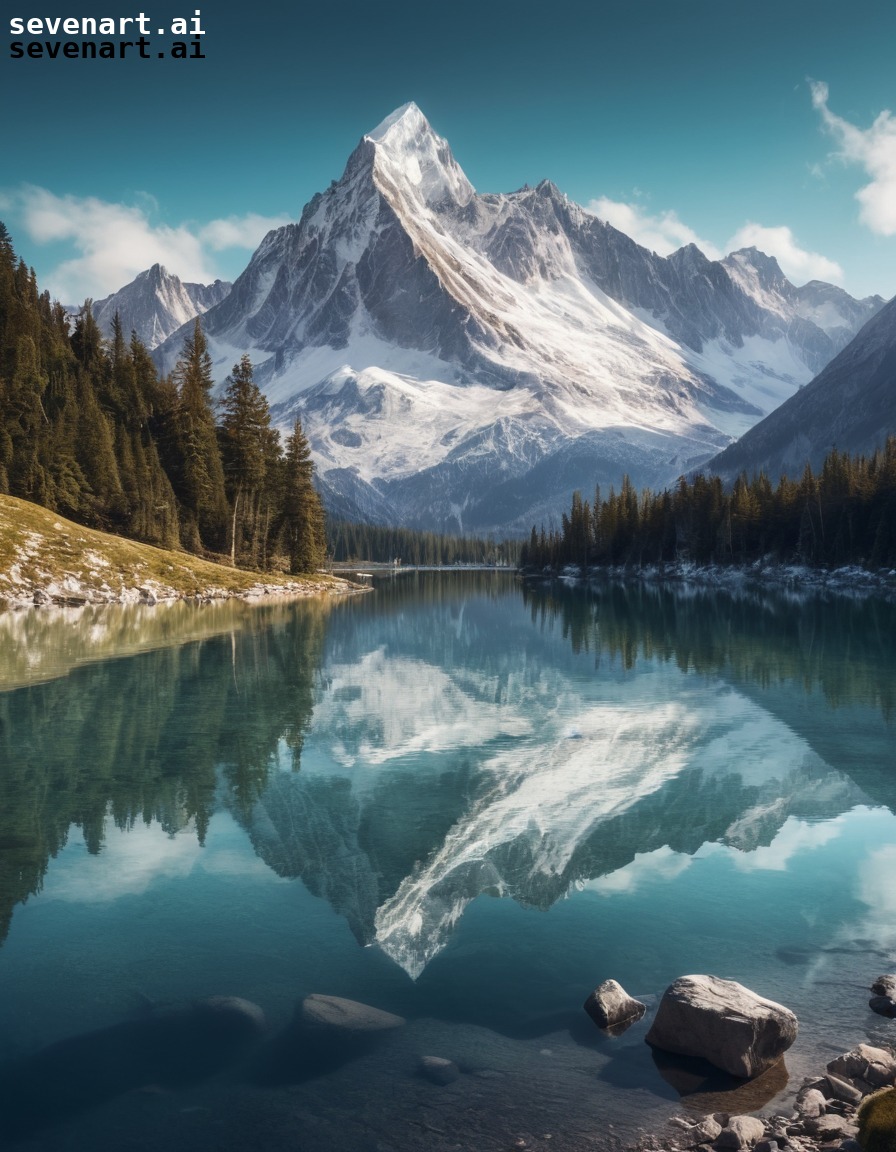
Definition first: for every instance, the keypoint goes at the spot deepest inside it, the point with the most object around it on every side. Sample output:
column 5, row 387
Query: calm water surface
column 459, row 799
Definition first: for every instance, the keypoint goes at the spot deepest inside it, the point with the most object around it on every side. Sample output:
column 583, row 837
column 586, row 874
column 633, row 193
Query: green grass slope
column 46, row 559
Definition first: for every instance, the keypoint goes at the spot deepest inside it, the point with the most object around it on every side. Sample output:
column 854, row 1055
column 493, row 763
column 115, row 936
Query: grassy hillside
column 45, row 558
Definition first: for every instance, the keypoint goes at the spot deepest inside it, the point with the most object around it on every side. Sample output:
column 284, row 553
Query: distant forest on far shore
column 846, row 514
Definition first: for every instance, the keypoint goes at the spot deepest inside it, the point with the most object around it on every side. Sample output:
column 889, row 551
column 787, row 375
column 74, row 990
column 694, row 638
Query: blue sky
column 727, row 122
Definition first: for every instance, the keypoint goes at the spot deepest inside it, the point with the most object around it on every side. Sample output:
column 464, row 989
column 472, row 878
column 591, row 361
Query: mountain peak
column 406, row 120
column 766, row 268
column 410, row 153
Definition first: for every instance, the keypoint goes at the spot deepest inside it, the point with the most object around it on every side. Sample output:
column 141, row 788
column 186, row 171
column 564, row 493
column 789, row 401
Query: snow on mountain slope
column 157, row 303
column 439, row 344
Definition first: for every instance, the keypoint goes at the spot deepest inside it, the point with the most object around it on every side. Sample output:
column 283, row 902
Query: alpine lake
column 462, row 799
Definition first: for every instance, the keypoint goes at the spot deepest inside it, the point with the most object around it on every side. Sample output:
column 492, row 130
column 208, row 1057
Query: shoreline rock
column 723, row 1022
column 611, row 1007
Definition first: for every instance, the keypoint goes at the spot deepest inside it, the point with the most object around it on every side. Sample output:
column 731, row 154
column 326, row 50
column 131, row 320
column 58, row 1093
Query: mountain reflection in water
column 229, row 801
column 456, row 745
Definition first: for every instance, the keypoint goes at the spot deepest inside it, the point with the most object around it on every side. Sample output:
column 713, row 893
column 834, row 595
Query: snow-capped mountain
column 851, row 404
column 157, row 303
column 466, row 361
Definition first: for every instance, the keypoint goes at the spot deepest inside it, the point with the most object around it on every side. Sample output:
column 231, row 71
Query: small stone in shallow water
column 439, row 1070
column 610, row 1005
column 885, row 986
column 883, row 1006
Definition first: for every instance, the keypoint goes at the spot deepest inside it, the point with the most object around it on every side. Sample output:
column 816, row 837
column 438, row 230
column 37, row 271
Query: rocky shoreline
column 826, row 1117
column 71, row 594
column 851, row 580
column 849, row 1107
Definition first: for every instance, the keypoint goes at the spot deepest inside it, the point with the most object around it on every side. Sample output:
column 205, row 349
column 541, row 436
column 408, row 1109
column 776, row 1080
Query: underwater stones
column 231, row 1016
column 883, row 1006
column 723, row 1022
column 346, row 1016
column 439, row 1070
column 610, row 1006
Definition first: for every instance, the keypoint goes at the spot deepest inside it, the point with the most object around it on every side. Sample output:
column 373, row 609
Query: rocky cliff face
column 850, row 405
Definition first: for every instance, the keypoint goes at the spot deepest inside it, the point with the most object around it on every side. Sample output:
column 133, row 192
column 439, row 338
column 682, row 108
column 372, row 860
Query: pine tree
column 245, row 440
column 199, row 479
column 302, row 511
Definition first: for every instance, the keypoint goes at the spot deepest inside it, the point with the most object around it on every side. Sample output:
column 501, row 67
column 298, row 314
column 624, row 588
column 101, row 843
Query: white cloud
column 240, row 231
column 114, row 242
column 794, row 837
column 874, row 149
column 798, row 264
column 662, row 233
column 129, row 863
column 132, row 860
column 649, row 868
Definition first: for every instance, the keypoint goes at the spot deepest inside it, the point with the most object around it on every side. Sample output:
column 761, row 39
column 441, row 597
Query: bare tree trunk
column 236, row 504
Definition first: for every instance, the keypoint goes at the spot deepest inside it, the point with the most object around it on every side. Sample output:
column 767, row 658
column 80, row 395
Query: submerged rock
column 883, row 1006
column 231, row 1016
column 885, row 986
column 609, row 1006
column 723, row 1022
column 438, row 1069
column 884, row 999
column 318, row 1011
column 173, row 1048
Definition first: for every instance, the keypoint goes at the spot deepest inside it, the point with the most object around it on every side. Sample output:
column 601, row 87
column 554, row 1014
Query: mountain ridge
column 440, row 344
column 850, row 405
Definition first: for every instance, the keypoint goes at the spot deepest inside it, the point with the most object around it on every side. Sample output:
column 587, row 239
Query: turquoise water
column 459, row 799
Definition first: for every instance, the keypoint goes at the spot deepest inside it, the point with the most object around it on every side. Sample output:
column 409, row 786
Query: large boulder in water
column 722, row 1022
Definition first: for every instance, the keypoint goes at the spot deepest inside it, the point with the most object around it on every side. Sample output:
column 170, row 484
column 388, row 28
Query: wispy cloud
column 874, row 149
column 113, row 242
column 239, row 231
column 797, row 263
column 661, row 233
